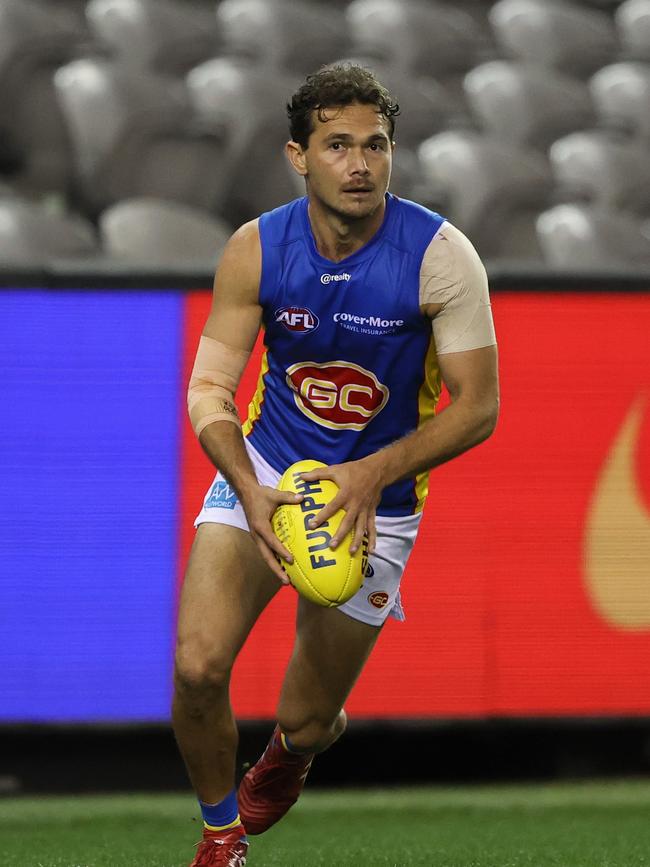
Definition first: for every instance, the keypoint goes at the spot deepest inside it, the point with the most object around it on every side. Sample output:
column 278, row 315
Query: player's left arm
column 454, row 294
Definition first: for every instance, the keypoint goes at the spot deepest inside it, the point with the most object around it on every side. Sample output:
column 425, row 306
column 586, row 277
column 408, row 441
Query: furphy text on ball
column 317, row 539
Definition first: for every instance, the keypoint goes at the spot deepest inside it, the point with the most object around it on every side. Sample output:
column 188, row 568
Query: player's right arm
column 225, row 346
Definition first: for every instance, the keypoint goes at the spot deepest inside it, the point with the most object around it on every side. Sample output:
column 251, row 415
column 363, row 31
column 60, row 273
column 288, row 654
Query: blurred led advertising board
column 528, row 592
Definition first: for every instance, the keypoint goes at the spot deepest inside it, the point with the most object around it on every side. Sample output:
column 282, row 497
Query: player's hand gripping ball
column 326, row 576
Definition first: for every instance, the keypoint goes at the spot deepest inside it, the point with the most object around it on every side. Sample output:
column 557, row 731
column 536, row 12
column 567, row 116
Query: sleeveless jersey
column 350, row 363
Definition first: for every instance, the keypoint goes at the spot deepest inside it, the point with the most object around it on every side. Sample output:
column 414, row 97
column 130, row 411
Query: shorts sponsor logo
column 221, row 496
column 378, row 599
column 337, row 394
column 297, row 318
column 367, row 324
column 325, row 279
column 369, row 571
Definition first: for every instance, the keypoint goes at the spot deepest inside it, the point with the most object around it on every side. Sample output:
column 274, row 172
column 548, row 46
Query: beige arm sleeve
column 215, row 377
column 452, row 275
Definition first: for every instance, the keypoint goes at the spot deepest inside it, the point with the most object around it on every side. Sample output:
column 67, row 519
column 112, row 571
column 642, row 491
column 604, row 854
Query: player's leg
column 333, row 644
column 331, row 648
column 226, row 588
column 329, row 653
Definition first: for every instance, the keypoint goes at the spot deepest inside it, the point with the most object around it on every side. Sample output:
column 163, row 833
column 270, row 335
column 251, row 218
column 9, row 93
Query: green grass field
column 564, row 825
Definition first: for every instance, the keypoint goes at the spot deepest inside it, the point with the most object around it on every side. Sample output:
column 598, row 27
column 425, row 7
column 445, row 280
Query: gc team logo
column 337, row 394
column 297, row 318
column 221, row 496
column 378, row 599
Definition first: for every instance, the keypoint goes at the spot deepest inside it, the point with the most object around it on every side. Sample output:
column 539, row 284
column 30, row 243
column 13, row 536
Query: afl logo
column 297, row 318
column 337, row 394
column 378, row 599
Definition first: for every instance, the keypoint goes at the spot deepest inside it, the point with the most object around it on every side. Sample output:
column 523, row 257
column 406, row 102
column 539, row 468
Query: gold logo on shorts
column 379, row 599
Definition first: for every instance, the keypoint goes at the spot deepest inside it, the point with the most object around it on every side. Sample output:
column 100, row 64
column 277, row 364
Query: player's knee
column 199, row 679
column 311, row 730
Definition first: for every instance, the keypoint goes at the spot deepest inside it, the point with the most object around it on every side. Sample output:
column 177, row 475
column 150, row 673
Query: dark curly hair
column 337, row 85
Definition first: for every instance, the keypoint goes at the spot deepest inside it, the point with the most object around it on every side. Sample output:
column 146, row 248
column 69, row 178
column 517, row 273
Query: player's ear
column 296, row 156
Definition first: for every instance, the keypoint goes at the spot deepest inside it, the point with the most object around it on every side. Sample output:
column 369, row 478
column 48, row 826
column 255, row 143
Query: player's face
column 348, row 162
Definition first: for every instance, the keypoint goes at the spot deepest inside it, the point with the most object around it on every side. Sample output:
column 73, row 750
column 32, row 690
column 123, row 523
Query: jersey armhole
column 269, row 283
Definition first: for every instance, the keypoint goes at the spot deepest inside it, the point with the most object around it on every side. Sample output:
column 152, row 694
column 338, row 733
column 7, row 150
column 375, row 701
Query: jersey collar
column 359, row 255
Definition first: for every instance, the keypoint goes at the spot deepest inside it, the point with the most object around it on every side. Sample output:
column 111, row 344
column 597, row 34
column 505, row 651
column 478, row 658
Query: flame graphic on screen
column 617, row 541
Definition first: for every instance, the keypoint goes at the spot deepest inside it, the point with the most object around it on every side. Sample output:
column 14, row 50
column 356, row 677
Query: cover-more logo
column 334, row 278
column 367, row 324
column 297, row 318
column 337, row 394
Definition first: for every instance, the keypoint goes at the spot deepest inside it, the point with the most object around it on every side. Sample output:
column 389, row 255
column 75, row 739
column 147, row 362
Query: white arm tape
column 452, row 275
column 215, row 377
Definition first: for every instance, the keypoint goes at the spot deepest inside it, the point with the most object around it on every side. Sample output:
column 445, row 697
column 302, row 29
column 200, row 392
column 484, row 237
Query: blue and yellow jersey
column 350, row 362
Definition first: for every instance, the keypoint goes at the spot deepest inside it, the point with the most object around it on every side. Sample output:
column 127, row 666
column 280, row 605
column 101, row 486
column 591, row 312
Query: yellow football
column 324, row 575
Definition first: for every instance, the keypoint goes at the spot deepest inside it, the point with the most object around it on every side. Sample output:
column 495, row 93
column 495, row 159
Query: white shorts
column 379, row 596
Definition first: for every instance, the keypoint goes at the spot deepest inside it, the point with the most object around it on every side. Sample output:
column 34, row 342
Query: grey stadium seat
column 582, row 237
column 527, row 105
column 633, row 23
column 567, row 36
column 154, row 233
column 612, row 172
column 245, row 107
column 162, row 35
column 34, row 39
column 493, row 191
column 427, row 38
column 133, row 135
column 621, row 94
column 30, row 236
column 295, row 36
column 426, row 107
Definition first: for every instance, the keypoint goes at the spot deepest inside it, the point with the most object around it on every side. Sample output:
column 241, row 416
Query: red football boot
column 272, row 786
column 222, row 849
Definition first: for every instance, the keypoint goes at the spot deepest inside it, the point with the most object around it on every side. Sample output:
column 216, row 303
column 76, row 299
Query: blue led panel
column 89, row 432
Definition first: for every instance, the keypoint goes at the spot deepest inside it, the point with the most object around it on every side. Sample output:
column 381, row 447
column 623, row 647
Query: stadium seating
column 156, row 233
column 32, row 34
column 612, row 172
column 633, row 22
column 566, row 36
column 30, row 236
column 581, row 237
column 34, row 39
column 491, row 190
column 133, row 135
column 108, row 105
column 527, row 105
column 294, row 36
column 245, row 108
column 621, row 94
column 161, row 35
column 426, row 38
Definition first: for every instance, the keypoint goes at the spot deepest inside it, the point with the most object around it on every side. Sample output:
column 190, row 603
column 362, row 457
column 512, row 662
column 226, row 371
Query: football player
column 368, row 303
